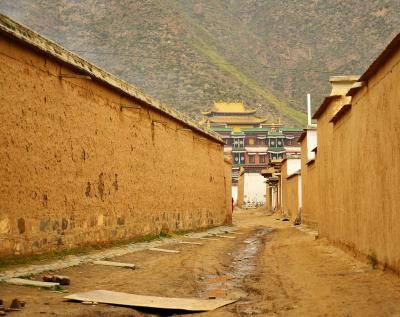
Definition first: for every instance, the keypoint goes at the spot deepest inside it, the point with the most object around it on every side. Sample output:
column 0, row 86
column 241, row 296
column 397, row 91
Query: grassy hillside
column 189, row 53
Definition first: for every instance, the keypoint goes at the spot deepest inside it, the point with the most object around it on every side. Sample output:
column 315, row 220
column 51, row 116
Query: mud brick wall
column 290, row 193
column 310, row 209
column 76, row 168
column 228, row 190
column 240, row 198
column 357, row 170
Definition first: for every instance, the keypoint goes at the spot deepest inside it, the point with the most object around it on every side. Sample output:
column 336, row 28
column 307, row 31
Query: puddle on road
column 242, row 266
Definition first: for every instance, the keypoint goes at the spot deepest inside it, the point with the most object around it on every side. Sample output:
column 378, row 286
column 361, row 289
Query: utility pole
column 308, row 110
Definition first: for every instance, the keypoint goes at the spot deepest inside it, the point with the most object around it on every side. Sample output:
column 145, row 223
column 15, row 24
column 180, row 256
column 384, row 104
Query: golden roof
column 238, row 119
column 229, row 107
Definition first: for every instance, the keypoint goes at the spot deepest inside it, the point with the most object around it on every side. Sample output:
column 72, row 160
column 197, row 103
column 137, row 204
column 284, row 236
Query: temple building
column 251, row 142
column 233, row 115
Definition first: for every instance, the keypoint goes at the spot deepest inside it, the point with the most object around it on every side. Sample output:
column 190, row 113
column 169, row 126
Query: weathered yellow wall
column 310, row 205
column 293, row 210
column 75, row 169
column 326, row 180
column 228, row 190
column 240, row 199
column 284, row 192
column 268, row 198
column 290, row 194
column 358, row 170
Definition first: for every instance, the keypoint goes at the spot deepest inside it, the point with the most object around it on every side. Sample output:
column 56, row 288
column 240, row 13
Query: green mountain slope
column 189, row 53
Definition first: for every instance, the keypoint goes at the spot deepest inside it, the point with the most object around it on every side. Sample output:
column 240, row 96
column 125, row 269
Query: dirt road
column 271, row 267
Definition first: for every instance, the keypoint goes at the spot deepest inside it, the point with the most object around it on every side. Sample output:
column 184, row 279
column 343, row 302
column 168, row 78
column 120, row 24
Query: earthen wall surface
column 268, row 198
column 228, row 190
column 76, row 168
column 358, row 165
column 240, row 199
column 293, row 195
column 290, row 194
column 310, row 207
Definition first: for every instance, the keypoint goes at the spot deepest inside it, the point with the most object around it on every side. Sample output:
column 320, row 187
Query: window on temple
column 273, row 143
column 262, row 158
column 252, row 159
column 251, row 141
column 236, row 158
column 241, row 158
column 279, row 142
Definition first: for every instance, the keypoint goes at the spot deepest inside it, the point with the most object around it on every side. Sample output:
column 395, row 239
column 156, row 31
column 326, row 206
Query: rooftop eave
column 344, row 78
column 237, row 120
column 310, row 162
column 353, row 90
column 297, row 173
column 249, row 111
column 277, row 164
column 341, row 113
column 386, row 54
column 324, row 106
column 302, row 136
column 268, row 171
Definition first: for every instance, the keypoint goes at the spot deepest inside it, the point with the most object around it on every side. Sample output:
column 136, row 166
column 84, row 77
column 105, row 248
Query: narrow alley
column 270, row 267
column 115, row 203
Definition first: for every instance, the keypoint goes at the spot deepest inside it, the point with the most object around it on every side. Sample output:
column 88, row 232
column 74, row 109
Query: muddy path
column 272, row 269
column 229, row 283
column 216, row 269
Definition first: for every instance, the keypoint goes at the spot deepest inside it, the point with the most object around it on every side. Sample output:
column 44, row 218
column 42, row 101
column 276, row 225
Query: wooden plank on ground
column 117, row 264
column 26, row 282
column 221, row 236
column 189, row 242
column 125, row 299
column 211, row 239
column 164, row 250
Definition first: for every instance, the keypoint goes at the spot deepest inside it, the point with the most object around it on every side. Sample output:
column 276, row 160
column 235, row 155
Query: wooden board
column 125, row 299
column 220, row 236
column 189, row 242
column 26, row 282
column 164, row 250
column 117, row 264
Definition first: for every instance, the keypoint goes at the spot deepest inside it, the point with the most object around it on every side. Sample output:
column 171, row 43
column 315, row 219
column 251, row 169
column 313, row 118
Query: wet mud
column 229, row 284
